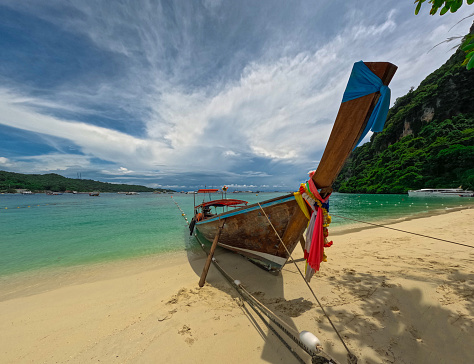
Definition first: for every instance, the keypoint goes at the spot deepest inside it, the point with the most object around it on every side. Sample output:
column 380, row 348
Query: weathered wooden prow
column 350, row 122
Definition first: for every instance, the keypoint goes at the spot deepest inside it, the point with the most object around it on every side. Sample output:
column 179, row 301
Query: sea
column 40, row 231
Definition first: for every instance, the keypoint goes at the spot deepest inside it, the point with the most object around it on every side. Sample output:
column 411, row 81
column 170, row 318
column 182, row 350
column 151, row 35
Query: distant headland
column 10, row 182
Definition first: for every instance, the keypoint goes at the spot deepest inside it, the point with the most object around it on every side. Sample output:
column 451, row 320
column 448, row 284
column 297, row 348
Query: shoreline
column 47, row 278
column 394, row 297
column 360, row 226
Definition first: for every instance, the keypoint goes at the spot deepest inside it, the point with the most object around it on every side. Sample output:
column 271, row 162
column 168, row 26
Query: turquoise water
column 39, row 231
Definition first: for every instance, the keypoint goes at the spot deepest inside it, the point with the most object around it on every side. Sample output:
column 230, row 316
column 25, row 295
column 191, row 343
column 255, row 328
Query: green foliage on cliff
column 55, row 182
column 427, row 142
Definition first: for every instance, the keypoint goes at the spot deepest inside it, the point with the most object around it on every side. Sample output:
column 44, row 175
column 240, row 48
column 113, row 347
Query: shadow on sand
column 382, row 317
column 396, row 322
column 266, row 287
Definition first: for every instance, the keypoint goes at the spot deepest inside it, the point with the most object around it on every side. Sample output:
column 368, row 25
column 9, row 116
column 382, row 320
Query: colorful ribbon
column 317, row 231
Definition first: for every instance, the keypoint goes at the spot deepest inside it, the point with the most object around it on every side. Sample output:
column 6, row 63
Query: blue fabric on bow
column 364, row 82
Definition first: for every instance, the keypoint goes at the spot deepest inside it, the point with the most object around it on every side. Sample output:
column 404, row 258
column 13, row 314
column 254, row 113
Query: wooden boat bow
column 267, row 232
column 350, row 122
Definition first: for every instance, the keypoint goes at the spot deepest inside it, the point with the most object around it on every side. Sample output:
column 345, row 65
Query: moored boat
column 268, row 232
column 247, row 230
column 441, row 192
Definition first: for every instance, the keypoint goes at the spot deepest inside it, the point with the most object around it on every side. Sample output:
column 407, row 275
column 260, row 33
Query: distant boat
column 132, row 193
column 27, row 192
column 441, row 192
column 94, row 193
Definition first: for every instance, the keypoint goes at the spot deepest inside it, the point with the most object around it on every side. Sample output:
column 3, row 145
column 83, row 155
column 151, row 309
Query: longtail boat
column 259, row 231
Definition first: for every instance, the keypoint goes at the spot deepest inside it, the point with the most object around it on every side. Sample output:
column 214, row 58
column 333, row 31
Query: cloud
column 121, row 172
column 94, row 141
column 197, row 92
column 5, row 162
column 124, row 170
column 54, row 162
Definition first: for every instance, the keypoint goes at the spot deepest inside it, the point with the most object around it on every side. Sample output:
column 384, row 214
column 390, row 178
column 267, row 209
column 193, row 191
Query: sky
column 194, row 93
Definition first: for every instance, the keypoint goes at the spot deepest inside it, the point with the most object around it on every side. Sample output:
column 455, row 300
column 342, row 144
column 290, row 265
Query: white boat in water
column 440, row 192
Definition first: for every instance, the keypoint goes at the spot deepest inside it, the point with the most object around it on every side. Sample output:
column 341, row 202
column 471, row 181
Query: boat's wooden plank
column 296, row 226
column 348, row 127
column 302, row 242
column 251, row 230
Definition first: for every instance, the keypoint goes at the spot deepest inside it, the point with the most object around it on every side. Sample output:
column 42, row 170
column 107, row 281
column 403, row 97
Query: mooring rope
column 297, row 357
column 182, row 212
column 254, row 303
column 257, row 305
column 403, row 231
column 240, row 289
column 351, row 357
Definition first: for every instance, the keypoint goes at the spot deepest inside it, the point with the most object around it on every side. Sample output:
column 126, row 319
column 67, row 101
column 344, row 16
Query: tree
column 445, row 5
column 453, row 6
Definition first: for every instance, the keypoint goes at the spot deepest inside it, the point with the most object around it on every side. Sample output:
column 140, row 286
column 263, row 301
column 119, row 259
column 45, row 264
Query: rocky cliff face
column 428, row 122
column 447, row 92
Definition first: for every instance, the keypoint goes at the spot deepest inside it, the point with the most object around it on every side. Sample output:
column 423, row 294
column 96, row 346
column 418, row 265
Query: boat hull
column 248, row 232
column 441, row 193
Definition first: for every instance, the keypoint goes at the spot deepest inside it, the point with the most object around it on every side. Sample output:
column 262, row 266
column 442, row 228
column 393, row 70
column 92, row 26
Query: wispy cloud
column 199, row 91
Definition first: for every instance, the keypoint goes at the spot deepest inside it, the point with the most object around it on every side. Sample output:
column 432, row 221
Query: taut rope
column 351, row 357
column 404, row 231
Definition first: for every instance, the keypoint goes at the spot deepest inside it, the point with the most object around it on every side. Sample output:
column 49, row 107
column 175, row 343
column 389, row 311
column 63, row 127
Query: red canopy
column 208, row 190
column 224, row 202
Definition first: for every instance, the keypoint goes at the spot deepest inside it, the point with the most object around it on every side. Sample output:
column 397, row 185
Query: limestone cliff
column 428, row 139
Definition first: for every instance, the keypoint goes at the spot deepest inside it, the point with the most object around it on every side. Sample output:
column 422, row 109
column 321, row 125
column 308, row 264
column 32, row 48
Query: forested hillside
column 55, row 182
column 427, row 142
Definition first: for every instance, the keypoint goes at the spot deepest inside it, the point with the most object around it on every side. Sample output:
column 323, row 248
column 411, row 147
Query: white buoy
column 310, row 341
column 237, row 282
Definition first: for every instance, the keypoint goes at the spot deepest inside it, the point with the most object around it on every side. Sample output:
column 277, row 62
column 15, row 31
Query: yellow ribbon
column 301, row 204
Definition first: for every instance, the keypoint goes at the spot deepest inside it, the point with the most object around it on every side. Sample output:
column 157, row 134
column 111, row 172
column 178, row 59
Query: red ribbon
column 317, row 242
column 316, row 251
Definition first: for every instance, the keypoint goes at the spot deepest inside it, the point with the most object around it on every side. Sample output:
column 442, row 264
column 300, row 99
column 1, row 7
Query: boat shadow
column 267, row 287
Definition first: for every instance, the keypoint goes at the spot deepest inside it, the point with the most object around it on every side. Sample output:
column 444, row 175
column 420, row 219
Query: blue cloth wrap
column 364, row 82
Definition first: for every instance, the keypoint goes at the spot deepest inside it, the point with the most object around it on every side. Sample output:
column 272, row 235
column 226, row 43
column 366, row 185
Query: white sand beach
column 394, row 297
